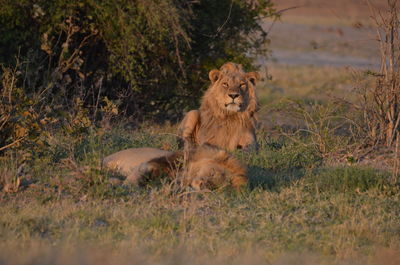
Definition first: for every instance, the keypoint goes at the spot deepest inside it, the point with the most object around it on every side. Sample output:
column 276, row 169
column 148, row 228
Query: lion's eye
column 243, row 85
column 225, row 85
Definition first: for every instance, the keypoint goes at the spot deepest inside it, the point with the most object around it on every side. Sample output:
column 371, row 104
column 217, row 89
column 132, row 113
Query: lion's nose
column 234, row 95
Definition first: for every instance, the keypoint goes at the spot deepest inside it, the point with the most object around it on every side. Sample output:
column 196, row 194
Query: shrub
column 380, row 102
column 153, row 56
column 82, row 61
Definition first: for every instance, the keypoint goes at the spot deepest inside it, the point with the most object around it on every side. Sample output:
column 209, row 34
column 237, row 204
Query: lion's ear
column 214, row 75
column 253, row 77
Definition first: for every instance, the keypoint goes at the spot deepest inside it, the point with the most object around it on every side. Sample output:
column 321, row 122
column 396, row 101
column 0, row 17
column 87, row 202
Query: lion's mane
column 226, row 117
column 210, row 167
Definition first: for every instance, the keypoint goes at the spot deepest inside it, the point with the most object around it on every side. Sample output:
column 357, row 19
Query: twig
column 5, row 120
column 395, row 172
column 13, row 143
column 178, row 56
column 279, row 13
column 100, row 82
column 219, row 29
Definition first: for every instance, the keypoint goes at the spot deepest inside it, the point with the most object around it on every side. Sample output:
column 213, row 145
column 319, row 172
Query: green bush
column 150, row 56
column 74, row 64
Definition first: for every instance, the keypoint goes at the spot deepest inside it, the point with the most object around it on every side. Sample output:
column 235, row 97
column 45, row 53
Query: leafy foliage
column 142, row 57
column 153, row 55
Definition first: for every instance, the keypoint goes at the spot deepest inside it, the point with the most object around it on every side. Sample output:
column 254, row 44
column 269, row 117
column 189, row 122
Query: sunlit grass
column 293, row 204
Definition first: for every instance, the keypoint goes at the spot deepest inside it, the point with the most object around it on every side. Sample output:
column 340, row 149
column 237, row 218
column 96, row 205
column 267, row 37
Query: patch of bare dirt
column 331, row 33
column 355, row 10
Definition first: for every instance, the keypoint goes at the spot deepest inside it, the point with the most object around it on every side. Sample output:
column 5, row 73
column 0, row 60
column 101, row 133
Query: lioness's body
column 226, row 117
column 207, row 167
column 127, row 160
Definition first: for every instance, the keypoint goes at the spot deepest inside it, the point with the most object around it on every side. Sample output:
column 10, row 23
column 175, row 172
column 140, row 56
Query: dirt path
column 314, row 34
column 319, row 58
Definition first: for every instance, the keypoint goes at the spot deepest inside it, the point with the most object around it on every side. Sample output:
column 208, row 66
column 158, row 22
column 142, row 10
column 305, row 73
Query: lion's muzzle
column 233, row 106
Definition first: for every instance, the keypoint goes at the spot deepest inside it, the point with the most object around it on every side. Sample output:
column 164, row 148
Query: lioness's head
column 232, row 90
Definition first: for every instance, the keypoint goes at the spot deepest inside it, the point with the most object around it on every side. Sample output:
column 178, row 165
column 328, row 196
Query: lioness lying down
column 207, row 167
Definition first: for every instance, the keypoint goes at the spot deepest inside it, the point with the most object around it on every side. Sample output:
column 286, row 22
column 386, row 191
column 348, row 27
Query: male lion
column 226, row 117
column 207, row 166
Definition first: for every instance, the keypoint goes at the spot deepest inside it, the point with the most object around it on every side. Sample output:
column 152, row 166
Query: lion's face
column 207, row 175
column 232, row 88
column 233, row 93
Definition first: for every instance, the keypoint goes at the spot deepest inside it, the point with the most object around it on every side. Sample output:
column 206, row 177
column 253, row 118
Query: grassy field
column 296, row 209
column 311, row 199
column 59, row 206
column 307, row 82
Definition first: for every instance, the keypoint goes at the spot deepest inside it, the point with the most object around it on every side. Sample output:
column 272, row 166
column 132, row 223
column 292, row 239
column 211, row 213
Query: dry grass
column 296, row 211
column 62, row 217
column 306, row 82
column 66, row 209
column 156, row 227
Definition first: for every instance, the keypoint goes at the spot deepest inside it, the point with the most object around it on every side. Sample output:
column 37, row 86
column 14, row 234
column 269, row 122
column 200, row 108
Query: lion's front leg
column 248, row 142
column 188, row 125
column 187, row 130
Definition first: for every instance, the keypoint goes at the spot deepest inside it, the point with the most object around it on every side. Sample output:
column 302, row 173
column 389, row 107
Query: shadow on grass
column 324, row 179
column 263, row 178
column 351, row 178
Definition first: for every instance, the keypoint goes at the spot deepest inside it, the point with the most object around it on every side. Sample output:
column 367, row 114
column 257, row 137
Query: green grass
column 307, row 83
column 296, row 209
column 294, row 204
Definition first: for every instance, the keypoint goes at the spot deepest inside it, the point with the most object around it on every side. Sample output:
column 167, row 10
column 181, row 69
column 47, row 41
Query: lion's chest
column 222, row 134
